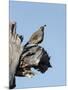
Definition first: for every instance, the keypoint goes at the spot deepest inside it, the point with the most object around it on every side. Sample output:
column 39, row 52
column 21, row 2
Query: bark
column 15, row 49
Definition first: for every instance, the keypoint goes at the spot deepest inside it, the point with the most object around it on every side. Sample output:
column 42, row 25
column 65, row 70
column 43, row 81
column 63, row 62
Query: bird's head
column 42, row 27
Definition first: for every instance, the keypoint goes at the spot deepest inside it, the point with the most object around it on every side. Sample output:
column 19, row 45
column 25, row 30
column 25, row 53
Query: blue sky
column 29, row 17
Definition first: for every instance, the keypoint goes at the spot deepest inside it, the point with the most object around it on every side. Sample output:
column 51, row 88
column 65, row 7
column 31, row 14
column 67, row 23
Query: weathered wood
column 15, row 49
column 24, row 57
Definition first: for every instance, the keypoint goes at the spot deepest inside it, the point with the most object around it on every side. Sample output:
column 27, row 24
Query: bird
column 37, row 37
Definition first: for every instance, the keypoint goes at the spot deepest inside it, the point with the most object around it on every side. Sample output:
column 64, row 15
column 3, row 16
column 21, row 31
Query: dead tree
column 24, row 57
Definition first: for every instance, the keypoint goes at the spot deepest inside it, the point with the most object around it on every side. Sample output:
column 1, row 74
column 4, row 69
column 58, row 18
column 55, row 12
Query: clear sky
column 29, row 17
